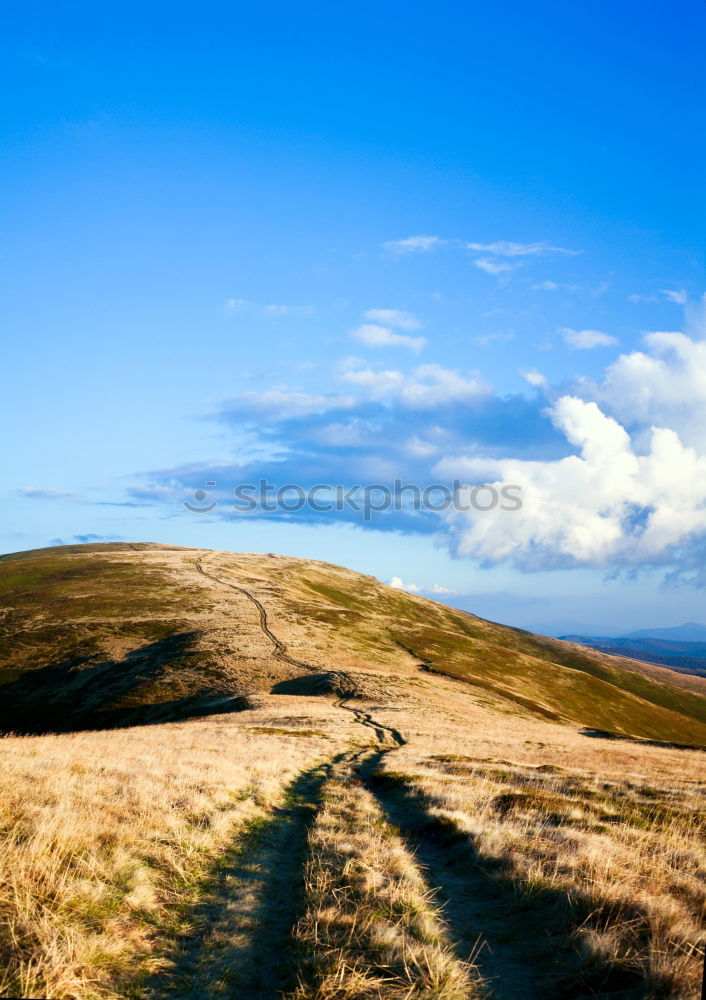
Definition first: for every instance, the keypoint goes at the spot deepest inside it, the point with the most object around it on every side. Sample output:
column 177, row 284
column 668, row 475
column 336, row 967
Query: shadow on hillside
column 239, row 940
column 307, row 685
column 606, row 734
column 80, row 693
column 532, row 952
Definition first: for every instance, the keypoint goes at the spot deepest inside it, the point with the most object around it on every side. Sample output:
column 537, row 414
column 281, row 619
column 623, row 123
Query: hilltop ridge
column 113, row 634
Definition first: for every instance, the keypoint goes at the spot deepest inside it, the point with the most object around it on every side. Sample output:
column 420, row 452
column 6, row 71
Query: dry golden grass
column 371, row 930
column 296, row 848
column 104, row 833
column 597, row 846
column 158, row 862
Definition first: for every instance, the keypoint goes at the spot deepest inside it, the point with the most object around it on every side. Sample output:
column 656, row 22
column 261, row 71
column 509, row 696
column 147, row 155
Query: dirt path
column 350, row 688
column 280, row 650
column 237, row 940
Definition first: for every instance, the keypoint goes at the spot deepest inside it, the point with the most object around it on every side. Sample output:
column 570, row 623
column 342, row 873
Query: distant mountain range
column 689, row 632
column 681, row 648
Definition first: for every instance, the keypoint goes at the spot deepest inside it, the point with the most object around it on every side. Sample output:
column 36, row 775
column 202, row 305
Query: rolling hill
column 97, row 636
column 239, row 775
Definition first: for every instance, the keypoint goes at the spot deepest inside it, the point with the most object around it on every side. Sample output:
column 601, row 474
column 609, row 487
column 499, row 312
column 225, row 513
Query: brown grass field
column 257, row 777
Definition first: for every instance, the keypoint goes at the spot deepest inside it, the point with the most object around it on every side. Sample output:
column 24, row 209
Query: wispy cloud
column 269, row 311
column 45, row 493
column 676, row 295
column 495, row 258
column 413, row 244
column 506, row 248
column 484, row 339
column 493, row 266
column 280, row 403
column 393, row 317
column 586, row 340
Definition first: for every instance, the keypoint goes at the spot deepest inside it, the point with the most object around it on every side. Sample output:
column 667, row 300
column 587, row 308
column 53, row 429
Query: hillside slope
column 95, row 636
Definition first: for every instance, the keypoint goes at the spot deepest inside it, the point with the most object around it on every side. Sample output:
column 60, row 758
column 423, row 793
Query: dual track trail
column 346, row 834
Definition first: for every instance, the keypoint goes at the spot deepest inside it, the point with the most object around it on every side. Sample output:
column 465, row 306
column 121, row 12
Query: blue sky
column 341, row 245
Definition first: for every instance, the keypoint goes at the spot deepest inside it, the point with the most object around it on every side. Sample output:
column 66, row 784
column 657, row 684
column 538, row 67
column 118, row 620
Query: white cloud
column 269, row 311
column 493, row 266
column 373, row 335
column 495, row 258
column 677, row 295
column 585, row 340
column 545, row 286
column 535, row 379
column 393, row 317
column 413, row 588
column 505, row 255
column 283, row 404
column 506, row 248
column 429, row 386
column 419, row 448
column 399, row 584
column 608, row 504
column 44, row 493
column 490, row 338
column 664, row 385
column 414, row 244
column 634, row 491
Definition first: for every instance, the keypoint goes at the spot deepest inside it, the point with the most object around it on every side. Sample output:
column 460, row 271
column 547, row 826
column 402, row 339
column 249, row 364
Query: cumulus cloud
column 606, row 505
column 663, row 385
column 586, row 340
column 535, row 379
column 373, row 335
column 269, row 311
column 632, row 493
column 399, row 584
column 611, row 472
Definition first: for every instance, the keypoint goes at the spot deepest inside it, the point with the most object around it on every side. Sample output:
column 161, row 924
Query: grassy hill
column 96, row 636
column 244, row 775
